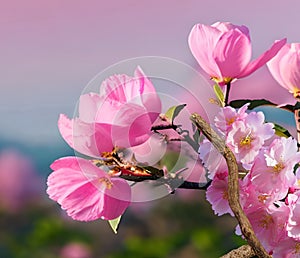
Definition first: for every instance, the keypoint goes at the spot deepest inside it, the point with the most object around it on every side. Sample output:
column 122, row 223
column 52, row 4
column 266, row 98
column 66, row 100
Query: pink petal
column 88, row 139
column 290, row 71
column 232, row 53
column 264, row 58
column 202, row 41
column 88, row 107
column 274, row 65
column 227, row 26
column 81, row 189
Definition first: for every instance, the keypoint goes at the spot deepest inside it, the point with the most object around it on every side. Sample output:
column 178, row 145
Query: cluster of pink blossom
column 123, row 114
column 268, row 185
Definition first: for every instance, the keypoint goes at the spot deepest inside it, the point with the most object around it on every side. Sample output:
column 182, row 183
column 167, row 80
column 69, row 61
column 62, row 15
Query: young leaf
column 281, row 131
column 114, row 224
column 220, row 95
column 173, row 112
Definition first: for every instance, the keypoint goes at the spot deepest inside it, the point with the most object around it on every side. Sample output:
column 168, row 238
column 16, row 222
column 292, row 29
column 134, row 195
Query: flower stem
column 228, row 87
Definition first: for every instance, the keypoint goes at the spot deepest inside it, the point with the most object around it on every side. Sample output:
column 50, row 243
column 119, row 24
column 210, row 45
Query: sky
column 50, row 50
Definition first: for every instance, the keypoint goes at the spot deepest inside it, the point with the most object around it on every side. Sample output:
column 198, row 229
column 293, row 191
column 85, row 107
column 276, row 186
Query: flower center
column 297, row 248
column 104, row 180
column 266, row 221
column 230, row 121
column 246, row 141
column 278, row 167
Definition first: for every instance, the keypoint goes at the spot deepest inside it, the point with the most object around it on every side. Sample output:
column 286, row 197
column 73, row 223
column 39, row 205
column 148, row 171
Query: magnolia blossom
column 87, row 192
column 285, row 68
column 223, row 50
column 120, row 115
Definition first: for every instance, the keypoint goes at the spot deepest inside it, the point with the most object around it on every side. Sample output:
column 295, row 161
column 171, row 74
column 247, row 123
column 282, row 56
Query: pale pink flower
column 293, row 226
column 247, row 137
column 228, row 115
column 285, row 68
column 272, row 171
column 217, row 194
column 211, row 159
column 269, row 225
column 223, row 50
column 288, row 248
column 121, row 115
column 87, row 192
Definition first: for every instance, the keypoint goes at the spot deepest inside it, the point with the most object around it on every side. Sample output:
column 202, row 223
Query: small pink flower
column 228, row 115
column 121, row 115
column 223, row 50
column 87, row 192
column 272, row 171
column 269, row 225
column 285, row 68
column 217, row 194
column 293, row 226
column 247, row 137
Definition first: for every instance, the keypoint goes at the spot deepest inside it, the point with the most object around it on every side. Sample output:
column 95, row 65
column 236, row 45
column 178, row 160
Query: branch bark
column 233, row 187
column 245, row 251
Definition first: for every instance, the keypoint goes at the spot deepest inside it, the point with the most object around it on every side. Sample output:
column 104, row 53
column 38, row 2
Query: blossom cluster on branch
column 126, row 113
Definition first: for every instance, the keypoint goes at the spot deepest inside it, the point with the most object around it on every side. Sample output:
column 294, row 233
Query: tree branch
column 244, row 251
column 233, row 187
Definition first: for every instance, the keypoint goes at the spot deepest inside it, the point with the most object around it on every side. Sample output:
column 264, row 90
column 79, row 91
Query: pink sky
column 50, row 50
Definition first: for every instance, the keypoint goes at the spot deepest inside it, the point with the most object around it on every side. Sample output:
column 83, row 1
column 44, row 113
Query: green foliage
column 173, row 112
column 219, row 94
column 114, row 224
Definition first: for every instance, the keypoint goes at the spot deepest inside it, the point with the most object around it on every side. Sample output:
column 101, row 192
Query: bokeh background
column 49, row 51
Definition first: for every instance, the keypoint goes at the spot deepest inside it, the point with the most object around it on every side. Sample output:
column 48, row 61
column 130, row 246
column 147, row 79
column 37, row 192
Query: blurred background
column 49, row 51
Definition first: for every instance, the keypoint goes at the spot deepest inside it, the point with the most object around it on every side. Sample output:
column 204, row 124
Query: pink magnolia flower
column 247, row 137
column 121, row 115
column 223, row 50
column 87, row 192
column 285, row 68
column 272, row 171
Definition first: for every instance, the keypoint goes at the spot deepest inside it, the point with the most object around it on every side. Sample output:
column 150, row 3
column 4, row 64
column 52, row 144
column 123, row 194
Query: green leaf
column 219, row 94
column 173, row 112
column 253, row 103
column 114, row 224
column 281, row 131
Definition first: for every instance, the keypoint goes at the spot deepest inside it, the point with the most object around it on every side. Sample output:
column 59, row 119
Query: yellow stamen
column 266, row 221
column 297, row 248
column 278, row 167
column 225, row 195
column 107, row 182
column 246, row 141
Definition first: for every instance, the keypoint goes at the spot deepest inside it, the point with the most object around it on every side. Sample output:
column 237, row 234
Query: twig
column 244, row 251
column 297, row 121
column 233, row 187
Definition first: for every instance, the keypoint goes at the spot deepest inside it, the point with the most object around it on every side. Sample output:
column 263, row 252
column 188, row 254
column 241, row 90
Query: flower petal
column 264, row 58
column 85, row 191
column 232, row 53
column 202, row 41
